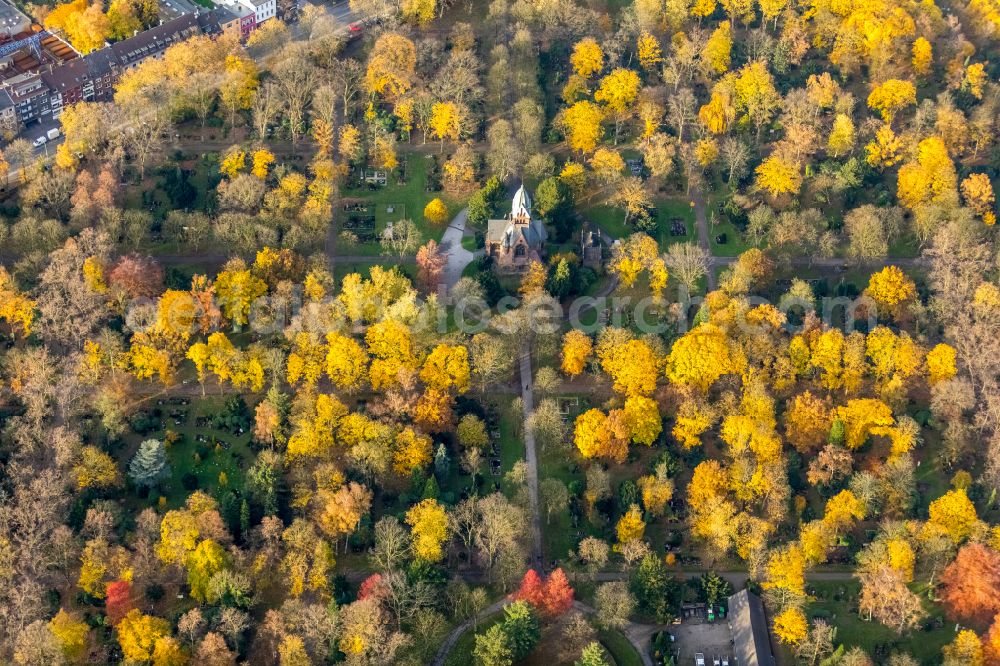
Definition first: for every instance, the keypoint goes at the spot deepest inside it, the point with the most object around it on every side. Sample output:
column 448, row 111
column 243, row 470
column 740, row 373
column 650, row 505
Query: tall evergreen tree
column 442, row 464
column 149, row 465
column 655, row 588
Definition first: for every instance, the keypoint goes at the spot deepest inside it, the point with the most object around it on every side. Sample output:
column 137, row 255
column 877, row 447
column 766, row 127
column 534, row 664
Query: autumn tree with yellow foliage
column 390, row 347
column 953, row 514
column 701, row 356
column 15, row 308
column 941, row 363
column 657, row 489
column 139, row 633
column 346, row 362
column 892, row 96
column 885, row 150
column 778, row 176
column 617, row 92
column 576, row 350
column 718, row 50
column 447, row 121
column 639, row 252
column 632, row 365
column 391, row 66
column 977, row 190
column 931, row 178
column 790, row 626
column 890, row 287
column 587, row 57
column 597, row 434
column 436, row 212
column 923, row 56
column 429, row 523
column 649, row 51
column 582, row 124
column 807, row 422
column 631, row 526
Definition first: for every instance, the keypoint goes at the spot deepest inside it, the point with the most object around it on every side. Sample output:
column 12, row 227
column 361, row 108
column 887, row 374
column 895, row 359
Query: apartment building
column 264, row 10
column 236, row 18
column 41, row 96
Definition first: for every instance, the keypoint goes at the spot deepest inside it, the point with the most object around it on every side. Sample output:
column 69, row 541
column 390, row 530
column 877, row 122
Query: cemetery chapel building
column 518, row 239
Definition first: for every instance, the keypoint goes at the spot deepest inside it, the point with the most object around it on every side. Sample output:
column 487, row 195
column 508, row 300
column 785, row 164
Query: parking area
column 713, row 640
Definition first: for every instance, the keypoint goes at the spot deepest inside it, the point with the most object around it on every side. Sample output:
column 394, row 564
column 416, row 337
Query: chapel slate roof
column 508, row 231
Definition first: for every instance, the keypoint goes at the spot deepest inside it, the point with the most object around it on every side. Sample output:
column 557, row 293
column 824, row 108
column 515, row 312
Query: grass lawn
column 469, row 243
column 734, row 245
column 559, row 536
column 340, row 269
column 471, row 270
column 544, row 654
column 151, row 198
column 836, row 603
column 461, row 653
column 511, row 442
column 619, row 647
column 612, row 220
column 407, row 201
column 205, row 177
column 932, row 477
column 587, row 317
column 222, row 451
column 179, row 276
column 718, row 224
column 906, row 245
column 826, row 282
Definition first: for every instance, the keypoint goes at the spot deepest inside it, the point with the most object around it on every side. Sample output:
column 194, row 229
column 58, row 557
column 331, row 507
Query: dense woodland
column 240, row 420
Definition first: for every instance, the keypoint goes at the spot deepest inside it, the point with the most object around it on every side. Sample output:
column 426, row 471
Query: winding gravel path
column 451, row 244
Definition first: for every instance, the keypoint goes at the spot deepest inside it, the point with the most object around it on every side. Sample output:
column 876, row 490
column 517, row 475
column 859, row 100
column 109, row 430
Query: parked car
column 52, row 133
column 699, row 659
column 725, row 661
column 40, row 141
column 716, row 661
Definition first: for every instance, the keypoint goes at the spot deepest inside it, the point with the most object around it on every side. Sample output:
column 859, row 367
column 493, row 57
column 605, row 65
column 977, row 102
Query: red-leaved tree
column 558, row 594
column 118, row 602
column 551, row 597
column 430, row 266
column 373, row 586
column 531, row 589
column 971, row 584
column 136, row 276
column 991, row 643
